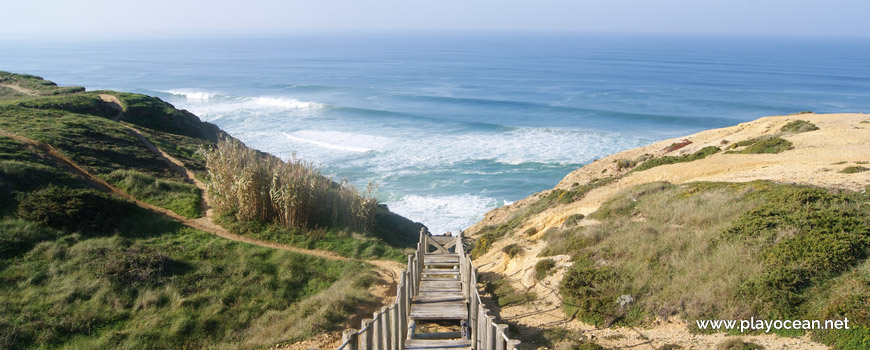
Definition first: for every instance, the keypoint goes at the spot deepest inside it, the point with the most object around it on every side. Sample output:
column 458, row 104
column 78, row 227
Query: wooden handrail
column 389, row 327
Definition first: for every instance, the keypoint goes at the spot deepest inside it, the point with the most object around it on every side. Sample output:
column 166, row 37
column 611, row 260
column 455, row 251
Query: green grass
column 96, row 143
column 182, row 198
column 490, row 234
column 179, row 289
column 33, row 83
column 153, row 113
column 664, row 160
column 82, row 269
column 341, row 241
column 776, row 251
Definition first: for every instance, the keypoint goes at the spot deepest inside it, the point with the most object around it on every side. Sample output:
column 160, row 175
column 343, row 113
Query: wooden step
column 440, row 272
column 427, row 278
column 443, row 296
column 440, row 259
column 450, row 285
column 437, row 344
column 439, row 310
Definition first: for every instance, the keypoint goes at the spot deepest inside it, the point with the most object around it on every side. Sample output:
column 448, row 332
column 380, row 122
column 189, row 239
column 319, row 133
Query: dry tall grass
column 257, row 186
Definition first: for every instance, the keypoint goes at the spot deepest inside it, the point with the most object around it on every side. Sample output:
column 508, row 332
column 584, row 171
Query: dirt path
column 114, row 103
column 19, row 89
column 203, row 224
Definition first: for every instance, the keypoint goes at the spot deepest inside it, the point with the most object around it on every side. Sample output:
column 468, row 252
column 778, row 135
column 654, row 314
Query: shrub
column 505, row 295
column 762, row 144
column 737, row 344
column 137, row 266
column 512, row 250
column 574, row 219
column 854, row 169
column 664, row 160
column 798, row 126
column 677, row 145
column 586, row 290
column 68, row 209
column 625, row 163
column 807, row 234
column 543, row 268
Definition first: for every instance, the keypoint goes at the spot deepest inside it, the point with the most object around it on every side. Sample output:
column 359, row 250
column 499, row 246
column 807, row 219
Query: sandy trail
column 19, row 89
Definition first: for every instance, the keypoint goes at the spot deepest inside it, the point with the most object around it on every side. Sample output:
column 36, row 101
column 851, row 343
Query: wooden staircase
column 440, row 298
column 438, row 290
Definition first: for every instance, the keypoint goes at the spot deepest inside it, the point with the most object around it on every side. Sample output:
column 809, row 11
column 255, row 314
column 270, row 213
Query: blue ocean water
column 450, row 126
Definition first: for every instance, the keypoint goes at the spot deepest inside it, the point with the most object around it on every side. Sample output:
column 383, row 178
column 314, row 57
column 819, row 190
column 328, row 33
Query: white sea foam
column 283, row 102
column 376, row 150
column 333, row 140
column 443, row 213
column 191, row 95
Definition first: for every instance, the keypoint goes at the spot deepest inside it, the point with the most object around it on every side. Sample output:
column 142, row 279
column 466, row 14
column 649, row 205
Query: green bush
column 798, row 126
column 737, row 344
column 505, row 295
column 625, row 163
column 543, row 268
column 808, row 235
column 512, row 250
column 854, row 169
column 138, row 266
column 586, row 292
column 764, row 144
column 74, row 210
column 664, row 160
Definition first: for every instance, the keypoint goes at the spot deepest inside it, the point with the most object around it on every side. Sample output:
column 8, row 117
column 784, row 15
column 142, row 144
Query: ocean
column 451, row 126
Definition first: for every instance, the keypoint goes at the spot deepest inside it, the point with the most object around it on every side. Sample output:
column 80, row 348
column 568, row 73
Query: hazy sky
column 107, row 18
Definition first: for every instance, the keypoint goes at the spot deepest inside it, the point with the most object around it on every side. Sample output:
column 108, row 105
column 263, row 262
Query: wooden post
column 385, row 328
column 350, row 337
column 396, row 328
column 376, row 332
column 365, row 337
column 491, row 333
column 472, row 319
column 481, row 329
column 501, row 331
column 513, row 344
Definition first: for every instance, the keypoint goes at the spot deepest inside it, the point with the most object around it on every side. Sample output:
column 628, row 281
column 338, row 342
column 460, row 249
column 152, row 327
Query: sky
column 174, row 18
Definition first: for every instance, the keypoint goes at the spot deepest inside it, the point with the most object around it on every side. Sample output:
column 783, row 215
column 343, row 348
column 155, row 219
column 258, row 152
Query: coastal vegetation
column 778, row 251
column 664, row 160
column 82, row 266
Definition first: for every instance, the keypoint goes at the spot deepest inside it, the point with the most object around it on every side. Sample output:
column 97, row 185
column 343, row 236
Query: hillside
column 110, row 236
column 766, row 219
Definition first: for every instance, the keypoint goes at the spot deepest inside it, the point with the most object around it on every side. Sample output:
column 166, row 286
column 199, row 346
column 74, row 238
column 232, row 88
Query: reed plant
column 254, row 186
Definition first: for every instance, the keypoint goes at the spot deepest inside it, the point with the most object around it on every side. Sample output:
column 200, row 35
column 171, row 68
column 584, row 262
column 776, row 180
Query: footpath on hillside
column 388, row 271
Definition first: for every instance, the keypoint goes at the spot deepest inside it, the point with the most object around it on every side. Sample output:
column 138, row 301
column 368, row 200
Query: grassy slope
column 75, row 122
column 723, row 250
column 82, row 269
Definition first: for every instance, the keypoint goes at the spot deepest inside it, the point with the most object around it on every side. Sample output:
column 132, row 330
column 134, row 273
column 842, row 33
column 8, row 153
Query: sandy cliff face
column 815, row 158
